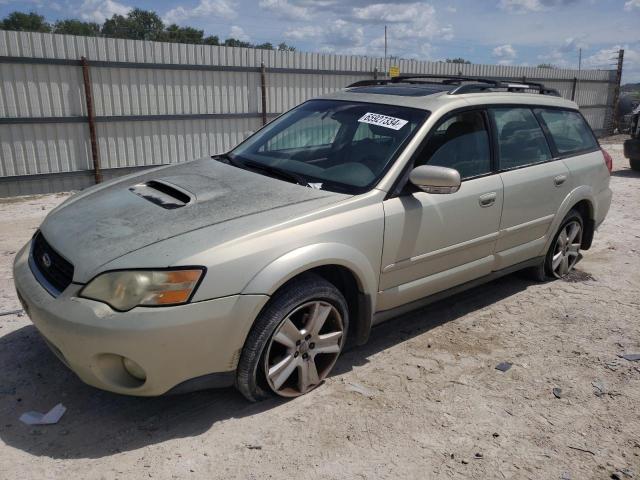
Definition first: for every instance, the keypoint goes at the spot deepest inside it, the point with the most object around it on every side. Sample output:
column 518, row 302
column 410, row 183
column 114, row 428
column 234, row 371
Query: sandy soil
column 422, row 400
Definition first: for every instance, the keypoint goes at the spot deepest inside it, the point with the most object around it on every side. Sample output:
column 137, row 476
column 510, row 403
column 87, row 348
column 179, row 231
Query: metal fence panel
column 165, row 103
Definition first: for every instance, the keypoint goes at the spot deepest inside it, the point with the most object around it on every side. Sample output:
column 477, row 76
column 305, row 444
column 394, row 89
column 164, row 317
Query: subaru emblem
column 46, row 260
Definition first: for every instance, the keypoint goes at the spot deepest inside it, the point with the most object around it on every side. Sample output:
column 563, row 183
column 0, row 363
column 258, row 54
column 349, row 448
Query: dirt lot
column 430, row 402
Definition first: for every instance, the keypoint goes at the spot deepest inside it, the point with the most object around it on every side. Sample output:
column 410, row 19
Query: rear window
column 569, row 131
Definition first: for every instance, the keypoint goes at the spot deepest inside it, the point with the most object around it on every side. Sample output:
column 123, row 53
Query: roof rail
column 477, row 85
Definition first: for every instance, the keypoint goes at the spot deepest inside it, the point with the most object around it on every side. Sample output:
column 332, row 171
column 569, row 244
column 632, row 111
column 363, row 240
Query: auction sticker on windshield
column 383, row 121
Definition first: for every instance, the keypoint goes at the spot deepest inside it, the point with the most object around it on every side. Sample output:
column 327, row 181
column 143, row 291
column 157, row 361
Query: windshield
column 330, row 144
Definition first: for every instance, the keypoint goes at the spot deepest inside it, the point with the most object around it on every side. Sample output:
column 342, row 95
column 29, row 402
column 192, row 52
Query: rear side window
column 569, row 131
column 520, row 139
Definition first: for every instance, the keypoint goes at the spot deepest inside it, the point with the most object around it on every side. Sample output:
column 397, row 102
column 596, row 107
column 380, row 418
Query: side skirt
column 385, row 315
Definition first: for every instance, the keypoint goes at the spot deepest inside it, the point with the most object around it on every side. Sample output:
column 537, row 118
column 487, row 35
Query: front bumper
column 171, row 344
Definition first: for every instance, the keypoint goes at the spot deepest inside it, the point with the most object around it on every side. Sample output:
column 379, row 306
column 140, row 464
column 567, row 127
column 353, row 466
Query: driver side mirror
column 433, row 179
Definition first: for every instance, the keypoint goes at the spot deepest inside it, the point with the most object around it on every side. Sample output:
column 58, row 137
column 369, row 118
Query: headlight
column 124, row 290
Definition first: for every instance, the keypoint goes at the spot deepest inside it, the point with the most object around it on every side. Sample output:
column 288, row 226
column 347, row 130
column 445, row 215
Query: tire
column 546, row 271
column 632, row 152
column 305, row 316
column 572, row 249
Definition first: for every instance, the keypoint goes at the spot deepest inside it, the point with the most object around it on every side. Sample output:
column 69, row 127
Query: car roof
column 433, row 96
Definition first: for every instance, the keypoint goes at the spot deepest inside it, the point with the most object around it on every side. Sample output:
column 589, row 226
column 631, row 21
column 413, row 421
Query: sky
column 509, row 32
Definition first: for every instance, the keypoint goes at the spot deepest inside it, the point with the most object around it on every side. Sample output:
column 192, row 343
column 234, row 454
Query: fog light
column 134, row 369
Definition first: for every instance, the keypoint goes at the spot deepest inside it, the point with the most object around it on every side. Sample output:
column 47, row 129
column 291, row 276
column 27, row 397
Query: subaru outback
column 254, row 268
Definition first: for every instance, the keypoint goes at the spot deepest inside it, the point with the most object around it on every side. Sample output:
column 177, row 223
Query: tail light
column 607, row 160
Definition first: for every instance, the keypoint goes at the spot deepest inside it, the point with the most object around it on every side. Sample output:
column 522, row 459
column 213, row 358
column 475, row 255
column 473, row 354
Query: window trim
column 402, row 181
column 552, row 144
column 497, row 140
column 399, row 185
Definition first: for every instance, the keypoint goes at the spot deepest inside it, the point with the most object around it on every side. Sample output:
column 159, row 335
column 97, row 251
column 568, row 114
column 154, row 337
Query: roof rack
column 478, row 84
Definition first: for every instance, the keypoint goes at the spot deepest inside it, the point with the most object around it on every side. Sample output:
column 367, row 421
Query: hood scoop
column 163, row 194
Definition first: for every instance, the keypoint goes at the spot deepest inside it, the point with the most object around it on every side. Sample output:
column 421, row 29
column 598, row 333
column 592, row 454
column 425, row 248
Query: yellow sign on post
column 394, row 71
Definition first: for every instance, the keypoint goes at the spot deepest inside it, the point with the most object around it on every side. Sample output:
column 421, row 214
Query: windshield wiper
column 276, row 172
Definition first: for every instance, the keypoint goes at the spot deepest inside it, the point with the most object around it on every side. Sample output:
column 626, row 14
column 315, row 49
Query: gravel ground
column 422, row 400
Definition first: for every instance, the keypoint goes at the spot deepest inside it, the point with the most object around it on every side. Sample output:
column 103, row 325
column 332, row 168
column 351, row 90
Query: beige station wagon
column 256, row 267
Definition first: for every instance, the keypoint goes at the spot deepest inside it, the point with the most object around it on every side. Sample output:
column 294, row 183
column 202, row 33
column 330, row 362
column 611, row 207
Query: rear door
column 433, row 242
column 535, row 184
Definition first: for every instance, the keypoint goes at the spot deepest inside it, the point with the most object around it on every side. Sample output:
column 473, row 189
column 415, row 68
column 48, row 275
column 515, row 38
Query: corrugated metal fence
column 158, row 103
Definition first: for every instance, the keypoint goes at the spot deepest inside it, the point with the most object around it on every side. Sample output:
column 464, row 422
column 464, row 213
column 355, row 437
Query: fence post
column 375, row 73
column 263, row 88
column 573, row 88
column 91, row 117
column 616, row 92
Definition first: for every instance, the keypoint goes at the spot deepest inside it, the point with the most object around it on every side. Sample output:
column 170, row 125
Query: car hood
column 109, row 221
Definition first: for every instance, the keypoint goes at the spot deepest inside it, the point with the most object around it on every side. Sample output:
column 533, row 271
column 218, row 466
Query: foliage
column 76, row 27
column 25, row 22
column 546, row 65
column 137, row 24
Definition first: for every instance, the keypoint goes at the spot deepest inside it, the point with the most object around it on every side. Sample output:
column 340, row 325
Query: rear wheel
column 295, row 341
column 564, row 252
column 635, row 164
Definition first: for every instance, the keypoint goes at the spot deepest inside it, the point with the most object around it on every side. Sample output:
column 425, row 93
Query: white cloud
column 631, row 4
column 607, row 57
column 451, row 9
column 406, row 22
column 206, row 8
column 521, row 6
column 99, row 10
column 284, row 9
column 238, row 33
column 338, row 33
column 524, row 6
column 505, row 54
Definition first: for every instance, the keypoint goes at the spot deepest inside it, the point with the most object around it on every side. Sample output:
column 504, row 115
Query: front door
column 433, row 242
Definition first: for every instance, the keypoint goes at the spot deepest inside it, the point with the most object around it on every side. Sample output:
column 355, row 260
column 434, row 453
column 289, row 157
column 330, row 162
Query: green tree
column 76, row 27
column 25, row 22
column 211, row 40
column 546, row 65
column 458, row 60
column 264, row 46
column 283, row 47
column 137, row 25
column 176, row 34
column 234, row 42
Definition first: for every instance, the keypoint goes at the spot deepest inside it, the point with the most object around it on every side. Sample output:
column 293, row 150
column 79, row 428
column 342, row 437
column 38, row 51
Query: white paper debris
column 317, row 186
column 52, row 416
column 383, row 121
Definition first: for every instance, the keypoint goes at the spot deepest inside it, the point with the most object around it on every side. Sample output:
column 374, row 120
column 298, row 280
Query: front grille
column 57, row 271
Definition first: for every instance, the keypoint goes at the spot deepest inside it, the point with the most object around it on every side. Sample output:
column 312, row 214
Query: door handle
column 559, row 180
column 487, row 199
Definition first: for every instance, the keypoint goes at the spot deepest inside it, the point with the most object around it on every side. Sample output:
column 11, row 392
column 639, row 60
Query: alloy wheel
column 567, row 249
column 304, row 348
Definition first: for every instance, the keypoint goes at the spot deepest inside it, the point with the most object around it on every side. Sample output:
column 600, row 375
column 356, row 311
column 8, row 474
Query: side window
column 460, row 142
column 568, row 130
column 520, row 138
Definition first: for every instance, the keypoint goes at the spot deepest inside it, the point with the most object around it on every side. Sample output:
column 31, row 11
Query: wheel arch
column 343, row 266
column 582, row 200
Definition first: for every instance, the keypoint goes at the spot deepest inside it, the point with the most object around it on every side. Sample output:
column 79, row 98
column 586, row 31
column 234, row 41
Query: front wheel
column 296, row 340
